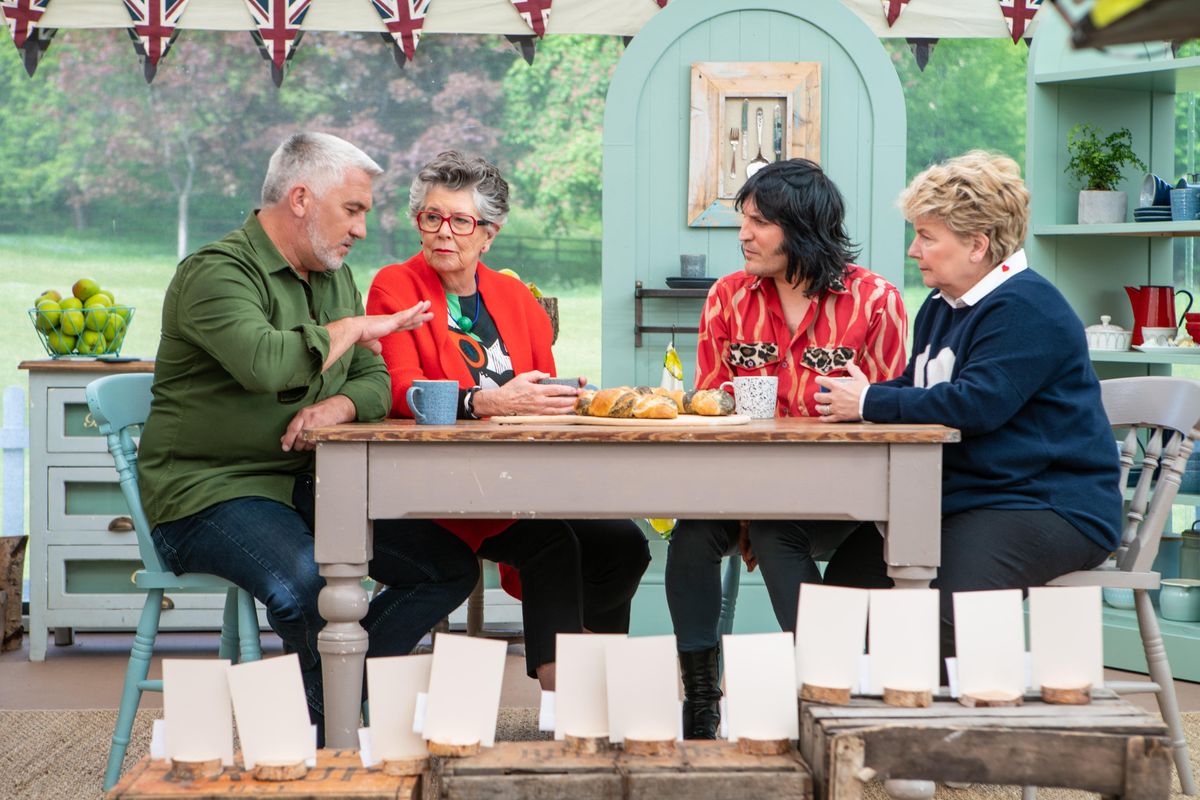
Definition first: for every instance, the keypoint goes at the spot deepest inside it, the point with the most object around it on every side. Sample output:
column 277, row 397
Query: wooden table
column 1109, row 746
column 769, row 469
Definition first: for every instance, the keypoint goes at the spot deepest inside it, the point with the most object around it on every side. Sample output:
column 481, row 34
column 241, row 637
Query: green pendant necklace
column 464, row 323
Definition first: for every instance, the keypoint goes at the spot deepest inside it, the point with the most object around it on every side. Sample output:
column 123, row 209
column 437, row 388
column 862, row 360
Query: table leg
column 343, row 647
column 913, row 533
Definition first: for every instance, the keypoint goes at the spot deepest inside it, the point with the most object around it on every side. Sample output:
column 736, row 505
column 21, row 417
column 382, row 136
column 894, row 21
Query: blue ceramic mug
column 433, row 402
column 1155, row 191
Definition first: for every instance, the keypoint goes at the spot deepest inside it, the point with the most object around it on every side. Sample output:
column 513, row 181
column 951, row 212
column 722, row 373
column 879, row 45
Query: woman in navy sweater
column 1030, row 493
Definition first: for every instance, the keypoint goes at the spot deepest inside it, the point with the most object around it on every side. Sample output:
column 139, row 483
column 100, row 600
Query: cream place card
column 903, row 640
column 198, row 716
column 393, row 685
column 1066, row 637
column 760, row 687
column 464, row 690
column 271, row 712
column 581, row 685
column 643, row 688
column 831, row 631
column 989, row 637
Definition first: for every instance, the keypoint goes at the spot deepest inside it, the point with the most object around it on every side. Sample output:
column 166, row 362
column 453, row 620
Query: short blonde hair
column 977, row 192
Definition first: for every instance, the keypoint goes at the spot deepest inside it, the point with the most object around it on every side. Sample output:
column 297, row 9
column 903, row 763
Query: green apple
column 107, row 295
column 60, row 342
column 122, row 311
column 95, row 308
column 114, row 331
column 48, row 313
column 72, row 320
column 84, row 288
column 91, row 343
column 49, row 294
column 510, row 273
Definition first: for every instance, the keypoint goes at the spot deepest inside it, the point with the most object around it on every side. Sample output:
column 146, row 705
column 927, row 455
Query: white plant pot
column 1101, row 208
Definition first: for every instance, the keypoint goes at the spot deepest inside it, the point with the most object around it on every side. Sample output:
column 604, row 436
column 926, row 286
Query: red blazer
column 430, row 352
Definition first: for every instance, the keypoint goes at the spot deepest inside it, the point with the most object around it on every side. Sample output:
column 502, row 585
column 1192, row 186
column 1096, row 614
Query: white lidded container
column 1107, row 336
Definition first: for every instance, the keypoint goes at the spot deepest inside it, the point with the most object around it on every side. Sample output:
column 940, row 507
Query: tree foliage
column 553, row 124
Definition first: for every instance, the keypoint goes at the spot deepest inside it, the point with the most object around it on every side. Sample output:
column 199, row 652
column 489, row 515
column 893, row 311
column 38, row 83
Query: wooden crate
column 1109, row 746
column 338, row 774
column 545, row 770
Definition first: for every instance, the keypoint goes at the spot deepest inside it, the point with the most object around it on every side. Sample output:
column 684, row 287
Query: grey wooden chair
column 1159, row 416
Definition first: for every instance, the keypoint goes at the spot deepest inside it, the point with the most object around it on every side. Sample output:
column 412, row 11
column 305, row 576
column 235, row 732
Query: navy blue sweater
column 1012, row 373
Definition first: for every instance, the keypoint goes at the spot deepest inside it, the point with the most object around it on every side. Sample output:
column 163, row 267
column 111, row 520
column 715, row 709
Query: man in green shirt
column 264, row 335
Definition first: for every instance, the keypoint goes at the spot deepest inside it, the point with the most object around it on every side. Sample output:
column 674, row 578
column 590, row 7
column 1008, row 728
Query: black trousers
column 575, row 574
column 985, row 548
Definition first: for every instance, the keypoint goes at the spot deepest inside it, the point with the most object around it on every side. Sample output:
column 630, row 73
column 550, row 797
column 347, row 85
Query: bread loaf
column 708, row 403
column 583, row 402
column 653, row 406
column 676, row 396
column 617, row 403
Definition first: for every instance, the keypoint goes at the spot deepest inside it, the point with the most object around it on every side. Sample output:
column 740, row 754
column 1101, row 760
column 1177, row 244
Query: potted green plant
column 1097, row 163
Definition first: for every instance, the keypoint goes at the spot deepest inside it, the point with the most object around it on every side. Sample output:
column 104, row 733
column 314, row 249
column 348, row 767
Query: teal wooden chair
column 120, row 405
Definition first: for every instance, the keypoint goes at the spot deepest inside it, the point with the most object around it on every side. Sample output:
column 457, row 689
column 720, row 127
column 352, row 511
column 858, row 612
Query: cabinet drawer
column 81, row 576
column 69, row 426
column 86, row 499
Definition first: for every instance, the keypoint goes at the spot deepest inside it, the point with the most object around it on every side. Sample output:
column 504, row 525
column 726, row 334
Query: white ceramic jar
column 1107, row 336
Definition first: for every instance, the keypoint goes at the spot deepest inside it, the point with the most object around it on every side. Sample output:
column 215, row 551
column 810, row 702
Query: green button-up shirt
column 241, row 352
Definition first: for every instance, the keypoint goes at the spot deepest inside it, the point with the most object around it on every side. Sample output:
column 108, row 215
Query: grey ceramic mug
column 433, row 402
column 693, row 265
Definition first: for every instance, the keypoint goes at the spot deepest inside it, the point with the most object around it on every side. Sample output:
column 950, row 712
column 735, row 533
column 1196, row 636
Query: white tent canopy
column 921, row 18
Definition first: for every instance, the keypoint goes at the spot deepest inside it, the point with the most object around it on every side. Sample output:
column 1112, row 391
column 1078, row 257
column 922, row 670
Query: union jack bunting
column 154, row 26
column 278, row 27
column 22, row 17
column 892, row 10
column 404, row 20
column 1018, row 14
column 535, row 13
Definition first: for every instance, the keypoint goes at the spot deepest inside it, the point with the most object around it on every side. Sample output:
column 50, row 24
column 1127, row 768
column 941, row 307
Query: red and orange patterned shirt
column 743, row 332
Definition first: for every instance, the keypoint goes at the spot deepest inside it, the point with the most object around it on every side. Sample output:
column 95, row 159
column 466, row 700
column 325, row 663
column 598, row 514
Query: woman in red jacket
column 491, row 335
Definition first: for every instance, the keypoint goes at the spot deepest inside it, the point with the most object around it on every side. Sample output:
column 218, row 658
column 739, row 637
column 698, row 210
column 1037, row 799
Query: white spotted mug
column 755, row 396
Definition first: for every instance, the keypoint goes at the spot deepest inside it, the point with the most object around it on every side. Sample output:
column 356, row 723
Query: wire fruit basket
column 82, row 332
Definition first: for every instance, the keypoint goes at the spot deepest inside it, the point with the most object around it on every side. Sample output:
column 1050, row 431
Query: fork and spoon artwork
column 741, row 136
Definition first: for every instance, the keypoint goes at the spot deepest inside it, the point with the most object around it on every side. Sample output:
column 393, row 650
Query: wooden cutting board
column 682, row 421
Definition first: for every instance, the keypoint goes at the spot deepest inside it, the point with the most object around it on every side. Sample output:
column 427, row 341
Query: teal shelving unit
column 1133, row 87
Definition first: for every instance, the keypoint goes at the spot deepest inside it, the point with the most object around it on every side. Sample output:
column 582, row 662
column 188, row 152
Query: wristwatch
column 468, row 403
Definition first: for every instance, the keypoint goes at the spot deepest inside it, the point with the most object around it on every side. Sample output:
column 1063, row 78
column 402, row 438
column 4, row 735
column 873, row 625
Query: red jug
column 1154, row 307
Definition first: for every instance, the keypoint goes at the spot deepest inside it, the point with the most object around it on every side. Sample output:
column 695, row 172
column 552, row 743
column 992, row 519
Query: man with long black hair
column 799, row 309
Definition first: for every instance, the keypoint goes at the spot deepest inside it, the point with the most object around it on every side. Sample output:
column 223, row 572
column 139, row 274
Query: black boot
column 701, row 693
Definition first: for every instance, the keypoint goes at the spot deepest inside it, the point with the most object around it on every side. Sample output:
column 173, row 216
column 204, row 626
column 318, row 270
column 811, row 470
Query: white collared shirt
column 989, row 282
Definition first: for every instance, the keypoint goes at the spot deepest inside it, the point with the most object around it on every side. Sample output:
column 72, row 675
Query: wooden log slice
column 908, row 698
column 824, row 694
column 587, row 745
column 446, row 750
column 1067, row 695
column 764, row 747
column 990, row 699
column 280, row 770
column 183, row 769
column 649, row 747
column 403, row 767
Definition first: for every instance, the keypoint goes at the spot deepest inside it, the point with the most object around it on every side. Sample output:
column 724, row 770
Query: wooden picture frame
column 725, row 92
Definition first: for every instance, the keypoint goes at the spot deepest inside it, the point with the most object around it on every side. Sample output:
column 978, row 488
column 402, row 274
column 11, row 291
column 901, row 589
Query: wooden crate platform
column 545, row 770
column 338, row 774
column 1109, row 746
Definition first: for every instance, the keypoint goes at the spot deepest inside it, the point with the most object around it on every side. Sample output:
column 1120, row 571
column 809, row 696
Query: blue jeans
column 784, row 549
column 266, row 548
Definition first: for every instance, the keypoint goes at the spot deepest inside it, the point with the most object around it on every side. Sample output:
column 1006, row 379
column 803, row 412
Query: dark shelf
column 640, row 292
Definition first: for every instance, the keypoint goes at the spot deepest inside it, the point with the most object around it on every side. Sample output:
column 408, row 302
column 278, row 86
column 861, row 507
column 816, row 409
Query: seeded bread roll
column 708, row 403
column 653, row 406
column 583, row 402
column 676, row 396
column 616, row 403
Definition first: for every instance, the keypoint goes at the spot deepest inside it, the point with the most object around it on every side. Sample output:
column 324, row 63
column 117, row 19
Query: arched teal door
column 646, row 135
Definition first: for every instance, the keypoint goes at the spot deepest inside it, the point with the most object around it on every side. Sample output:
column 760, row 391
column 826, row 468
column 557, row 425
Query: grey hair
column 454, row 171
column 317, row 160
